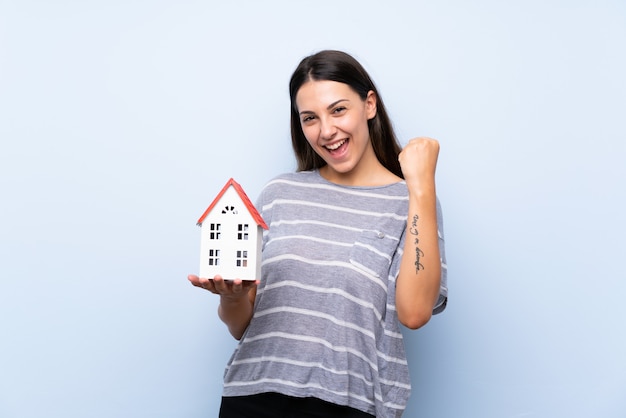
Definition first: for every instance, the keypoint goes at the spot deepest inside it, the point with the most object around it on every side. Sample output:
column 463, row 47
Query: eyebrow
column 330, row 106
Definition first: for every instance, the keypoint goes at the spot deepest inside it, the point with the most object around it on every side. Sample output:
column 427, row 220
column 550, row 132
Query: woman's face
column 334, row 121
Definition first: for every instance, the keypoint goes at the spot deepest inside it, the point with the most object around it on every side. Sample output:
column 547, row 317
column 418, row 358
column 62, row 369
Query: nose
column 327, row 129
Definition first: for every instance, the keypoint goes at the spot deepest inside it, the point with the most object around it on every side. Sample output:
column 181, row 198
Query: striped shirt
column 325, row 323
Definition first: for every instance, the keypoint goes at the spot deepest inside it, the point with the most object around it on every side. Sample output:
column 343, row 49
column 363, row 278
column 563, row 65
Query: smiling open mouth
column 333, row 148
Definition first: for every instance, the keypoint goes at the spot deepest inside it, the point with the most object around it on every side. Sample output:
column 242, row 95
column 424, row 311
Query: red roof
column 244, row 198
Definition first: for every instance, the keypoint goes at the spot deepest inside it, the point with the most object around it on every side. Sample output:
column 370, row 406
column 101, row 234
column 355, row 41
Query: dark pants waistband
column 276, row 405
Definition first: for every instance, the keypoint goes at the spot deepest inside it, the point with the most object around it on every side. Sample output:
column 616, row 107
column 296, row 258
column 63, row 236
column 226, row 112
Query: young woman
column 354, row 249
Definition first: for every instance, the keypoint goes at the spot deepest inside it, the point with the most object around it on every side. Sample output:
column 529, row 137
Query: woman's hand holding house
column 232, row 289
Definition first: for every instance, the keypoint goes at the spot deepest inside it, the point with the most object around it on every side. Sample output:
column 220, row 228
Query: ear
column 370, row 104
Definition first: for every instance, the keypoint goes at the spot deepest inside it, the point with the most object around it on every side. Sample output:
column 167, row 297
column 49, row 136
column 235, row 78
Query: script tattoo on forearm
column 418, row 253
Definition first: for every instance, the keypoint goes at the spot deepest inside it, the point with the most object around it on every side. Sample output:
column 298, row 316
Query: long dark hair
column 343, row 68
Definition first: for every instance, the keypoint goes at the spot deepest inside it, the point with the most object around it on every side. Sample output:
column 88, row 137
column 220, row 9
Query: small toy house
column 231, row 236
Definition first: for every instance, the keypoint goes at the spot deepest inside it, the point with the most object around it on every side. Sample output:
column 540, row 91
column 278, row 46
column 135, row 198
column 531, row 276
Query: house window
column 215, row 231
column 229, row 209
column 242, row 232
column 214, row 257
column 242, row 259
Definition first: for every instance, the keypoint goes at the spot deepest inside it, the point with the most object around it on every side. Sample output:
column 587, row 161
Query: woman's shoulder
column 293, row 178
column 279, row 185
column 302, row 176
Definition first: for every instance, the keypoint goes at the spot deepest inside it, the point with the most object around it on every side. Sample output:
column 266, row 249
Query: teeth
column 335, row 146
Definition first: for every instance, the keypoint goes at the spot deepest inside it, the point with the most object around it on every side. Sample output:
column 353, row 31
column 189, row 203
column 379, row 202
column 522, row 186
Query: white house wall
column 235, row 214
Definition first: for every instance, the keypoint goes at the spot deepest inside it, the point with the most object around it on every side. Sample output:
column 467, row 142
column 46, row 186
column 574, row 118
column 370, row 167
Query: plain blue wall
column 120, row 120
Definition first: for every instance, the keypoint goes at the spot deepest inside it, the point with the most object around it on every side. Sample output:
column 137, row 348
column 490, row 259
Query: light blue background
column 120, row 121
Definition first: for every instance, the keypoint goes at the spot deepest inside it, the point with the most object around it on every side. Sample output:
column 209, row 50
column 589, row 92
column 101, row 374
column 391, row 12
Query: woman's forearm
column 236, row 314
column 418, row 283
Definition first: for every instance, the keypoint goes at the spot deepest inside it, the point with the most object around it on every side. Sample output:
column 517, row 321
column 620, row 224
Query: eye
column 307, row 118
column 339, row 109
